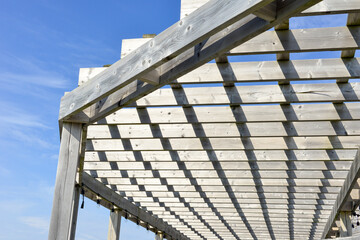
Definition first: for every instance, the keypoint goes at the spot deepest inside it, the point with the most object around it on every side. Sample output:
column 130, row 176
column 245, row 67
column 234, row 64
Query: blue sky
column 42, row 46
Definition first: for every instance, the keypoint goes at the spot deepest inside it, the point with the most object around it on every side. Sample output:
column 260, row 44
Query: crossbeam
column 350, row 181
column 124, row 205
column 178, row 57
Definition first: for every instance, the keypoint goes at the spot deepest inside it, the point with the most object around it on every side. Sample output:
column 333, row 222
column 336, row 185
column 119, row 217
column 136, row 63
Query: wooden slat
column 64, row 209
column 317, row 69
column 252, row 143
column 168, row 44
column 271, row 129
column 325, row 7
column 351, row 179
column 122, row 203
column 245, row 113
column 294, row 93
column 241, row 30
column 301, row 40
column 233, row 155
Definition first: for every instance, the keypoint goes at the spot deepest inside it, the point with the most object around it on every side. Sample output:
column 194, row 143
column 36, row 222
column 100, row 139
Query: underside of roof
column 234, row 149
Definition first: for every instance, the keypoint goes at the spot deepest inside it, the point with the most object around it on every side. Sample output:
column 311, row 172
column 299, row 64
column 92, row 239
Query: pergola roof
column 223, row 152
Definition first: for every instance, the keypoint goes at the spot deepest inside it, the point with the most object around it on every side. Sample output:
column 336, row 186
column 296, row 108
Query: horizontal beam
column 228, row 155
column 350, row 181
column 176, row 39
column 285, row 41
column 239, row 114
column 252, row 143
column 322, row 8
column 178, row 59
column 267, row 129
column 125, row 205
column 257, row 94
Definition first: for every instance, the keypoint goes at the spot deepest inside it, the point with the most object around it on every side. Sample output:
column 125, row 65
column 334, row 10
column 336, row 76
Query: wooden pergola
column 195, row 150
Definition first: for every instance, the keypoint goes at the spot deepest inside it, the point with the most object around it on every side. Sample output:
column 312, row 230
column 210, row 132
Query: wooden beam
column 64, row 207
column 322, row 8
column 112, row 197
column 311, row 69
column 244, row 28
column 114, row 225
column 345, row 224
column 255, row 94
column 350, row 181
column 266, row 129
column 151, row 55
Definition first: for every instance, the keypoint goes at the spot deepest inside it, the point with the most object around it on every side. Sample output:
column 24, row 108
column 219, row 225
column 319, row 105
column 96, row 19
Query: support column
column 64, row 210
column 159, row 236
column 345, row 224
column 114, row 225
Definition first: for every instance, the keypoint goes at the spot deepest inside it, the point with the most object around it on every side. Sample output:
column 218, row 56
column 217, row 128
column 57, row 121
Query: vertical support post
column 345, row 224
column 64, row 211
column 159, row 236
column 75, row 212
column 114, row 225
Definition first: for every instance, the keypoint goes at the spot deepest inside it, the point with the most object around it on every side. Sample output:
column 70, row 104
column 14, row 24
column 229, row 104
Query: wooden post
column 345, row 224
column 159, row 236
column 114, row 225
column 75, row 212
column 64, row 207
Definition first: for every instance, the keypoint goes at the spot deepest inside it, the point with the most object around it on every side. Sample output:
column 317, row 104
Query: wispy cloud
column 32, row 139
column 13, row 116
column 39, row 223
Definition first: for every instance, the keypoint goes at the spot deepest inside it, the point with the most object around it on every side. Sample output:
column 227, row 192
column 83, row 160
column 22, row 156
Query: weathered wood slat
column 228, row 165
column 324, row 7
column 294, row 93
column 245, row 113
column 350, row 181
column 236, row 182
column 124, row 204
column 272, row 129
column 230, row 155
column 252, row 143
column 284, row 41
column 243, row 28
column 168, row 44
column 64, row 208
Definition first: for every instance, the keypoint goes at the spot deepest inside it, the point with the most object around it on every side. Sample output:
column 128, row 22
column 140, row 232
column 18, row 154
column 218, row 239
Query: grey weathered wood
column 159, row 236
column 168, row 44
column 252, row 143
column 114, row 225
column 318, row 69
column 110, row 195
column 243, row 30
column 324, row 7
column 62, row 213
column 259, row 94
column 75, row 212
column 267, row 129
column 242, row 114
column 351, row 179
column 345, row 224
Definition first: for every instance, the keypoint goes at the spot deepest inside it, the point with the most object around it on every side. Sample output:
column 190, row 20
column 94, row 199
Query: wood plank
column 324, row 7
column 124, row 204
column 301, row 40
column 267, row 129
column 229, row 155
column 350, row 181
column 229, row 166
column 244, row 27
column 114, row 225
column 252, row 143
column 61, row 223
column 312, row 69
column 168, row 44
column 256, row 94
column 239, row 114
